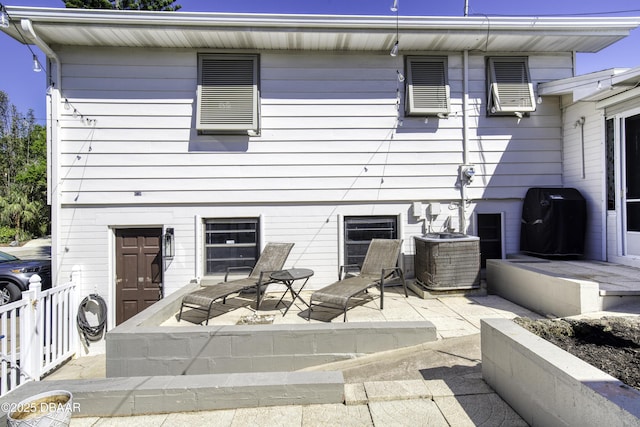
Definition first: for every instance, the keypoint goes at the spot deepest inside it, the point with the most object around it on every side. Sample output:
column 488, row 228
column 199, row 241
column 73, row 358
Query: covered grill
column 553, row 222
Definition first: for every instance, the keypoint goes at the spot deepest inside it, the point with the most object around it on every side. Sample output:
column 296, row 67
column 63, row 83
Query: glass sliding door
column 631, row 133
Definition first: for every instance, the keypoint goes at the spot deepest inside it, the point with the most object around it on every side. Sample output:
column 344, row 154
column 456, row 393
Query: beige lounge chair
column 272, row 259
column 379, row 268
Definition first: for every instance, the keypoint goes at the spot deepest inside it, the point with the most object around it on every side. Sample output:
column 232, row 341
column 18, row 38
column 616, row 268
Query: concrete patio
column 453, row 314
column 560, row 288
column 438, row 382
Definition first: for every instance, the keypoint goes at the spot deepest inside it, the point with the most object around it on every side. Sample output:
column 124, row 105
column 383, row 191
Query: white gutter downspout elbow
column 28, row 27
column 52, row 117
column 53, row 94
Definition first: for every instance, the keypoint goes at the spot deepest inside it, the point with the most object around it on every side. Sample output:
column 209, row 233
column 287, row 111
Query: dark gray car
column 15, row 274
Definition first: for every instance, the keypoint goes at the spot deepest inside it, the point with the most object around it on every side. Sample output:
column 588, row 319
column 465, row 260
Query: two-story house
column 180, row 143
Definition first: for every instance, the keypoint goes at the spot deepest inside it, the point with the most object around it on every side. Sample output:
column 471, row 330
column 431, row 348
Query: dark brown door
column 138, row 270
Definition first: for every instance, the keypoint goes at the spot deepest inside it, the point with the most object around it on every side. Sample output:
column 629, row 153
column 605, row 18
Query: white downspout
column 465, row 139
column 52, row 143
column 604, row 229
column 28, row 27
column 465, row 132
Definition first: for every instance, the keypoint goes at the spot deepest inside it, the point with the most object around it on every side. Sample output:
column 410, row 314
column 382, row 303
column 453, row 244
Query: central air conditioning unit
column 447, row 261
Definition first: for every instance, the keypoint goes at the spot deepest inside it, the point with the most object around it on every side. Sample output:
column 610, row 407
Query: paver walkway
column 433, row 384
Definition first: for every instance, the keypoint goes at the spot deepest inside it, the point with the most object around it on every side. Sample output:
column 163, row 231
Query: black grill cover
column 553, row 222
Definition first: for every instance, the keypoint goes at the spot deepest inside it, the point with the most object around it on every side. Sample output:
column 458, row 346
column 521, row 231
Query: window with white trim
column 428, row 92
column 360, row 230
column 228, row 93
column 231, row 242
column 510, row 91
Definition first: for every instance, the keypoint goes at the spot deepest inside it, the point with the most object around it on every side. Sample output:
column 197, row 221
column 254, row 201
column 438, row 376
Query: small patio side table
column 288, row 277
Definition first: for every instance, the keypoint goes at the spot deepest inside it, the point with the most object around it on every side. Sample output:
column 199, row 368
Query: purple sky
column 26, row 89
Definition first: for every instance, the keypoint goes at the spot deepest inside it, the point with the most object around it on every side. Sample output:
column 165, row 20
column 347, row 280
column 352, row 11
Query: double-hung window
column 231, row 242
column 509, row 90
column 427, row 86
column 228, row 93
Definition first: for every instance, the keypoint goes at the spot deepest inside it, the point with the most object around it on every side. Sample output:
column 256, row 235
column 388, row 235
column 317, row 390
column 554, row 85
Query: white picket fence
column 40, row 333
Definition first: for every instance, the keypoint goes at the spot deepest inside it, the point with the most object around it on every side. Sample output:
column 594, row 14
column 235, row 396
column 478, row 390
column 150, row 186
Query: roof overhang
column 83, row 27
column 600, row 86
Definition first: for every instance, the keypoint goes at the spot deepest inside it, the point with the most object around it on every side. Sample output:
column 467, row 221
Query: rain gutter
column 309, row 21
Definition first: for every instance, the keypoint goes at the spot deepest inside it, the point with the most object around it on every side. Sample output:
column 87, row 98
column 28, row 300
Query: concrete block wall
column 141, row 347
column 520, row 282
column 548, row 386
column 252, row 348
column 114, row 397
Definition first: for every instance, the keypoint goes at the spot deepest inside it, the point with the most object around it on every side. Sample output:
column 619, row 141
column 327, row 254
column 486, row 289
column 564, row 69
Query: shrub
column 7, row 234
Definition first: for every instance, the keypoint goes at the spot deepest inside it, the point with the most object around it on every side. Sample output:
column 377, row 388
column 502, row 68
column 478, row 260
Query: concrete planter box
column 141, row 347
column 548, row 386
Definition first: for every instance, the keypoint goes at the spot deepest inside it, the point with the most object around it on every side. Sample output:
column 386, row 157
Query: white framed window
column 231, row 242
column 360, row 230
column 428, row 92
column 510, row 90
column 228, row 93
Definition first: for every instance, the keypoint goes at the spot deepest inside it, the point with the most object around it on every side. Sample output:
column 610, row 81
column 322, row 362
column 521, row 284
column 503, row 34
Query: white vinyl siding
column 324, row 119
column 585, row 147
column 510, row 88
column 227, row 93
column 328, row 147
column 427, row 85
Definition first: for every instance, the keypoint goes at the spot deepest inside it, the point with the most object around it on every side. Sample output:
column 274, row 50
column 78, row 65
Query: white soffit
column 594, row 86
column 197, row 30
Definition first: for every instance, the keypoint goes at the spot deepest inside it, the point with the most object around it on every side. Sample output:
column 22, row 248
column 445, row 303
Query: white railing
column 10, row 325
column 40, row 333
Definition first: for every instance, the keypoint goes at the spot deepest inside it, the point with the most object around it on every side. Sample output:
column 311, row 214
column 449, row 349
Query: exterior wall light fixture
column 168, row 243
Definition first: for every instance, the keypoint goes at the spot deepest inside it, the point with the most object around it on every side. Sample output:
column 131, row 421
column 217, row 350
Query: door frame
column 111, row 317
column 620, row 136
